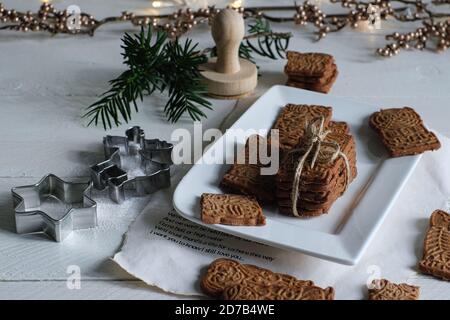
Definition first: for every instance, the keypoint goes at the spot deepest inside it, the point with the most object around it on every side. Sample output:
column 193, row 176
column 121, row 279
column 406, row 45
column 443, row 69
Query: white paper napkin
column 167, row 251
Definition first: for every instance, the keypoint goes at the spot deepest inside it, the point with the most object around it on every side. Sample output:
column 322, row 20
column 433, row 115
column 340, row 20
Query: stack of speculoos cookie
column 320, row 186
column 311, row 71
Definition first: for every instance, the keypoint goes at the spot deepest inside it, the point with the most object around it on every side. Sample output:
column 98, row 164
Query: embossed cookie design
column 231, row 209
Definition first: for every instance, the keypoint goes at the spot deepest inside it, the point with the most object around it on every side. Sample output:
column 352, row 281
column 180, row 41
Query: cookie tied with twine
column 315, row 150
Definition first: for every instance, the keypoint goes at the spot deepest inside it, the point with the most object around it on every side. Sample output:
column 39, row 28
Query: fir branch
column 115, row 102
column 154, row 65
column 183, row 81
column 141, row 56
column 268, row 42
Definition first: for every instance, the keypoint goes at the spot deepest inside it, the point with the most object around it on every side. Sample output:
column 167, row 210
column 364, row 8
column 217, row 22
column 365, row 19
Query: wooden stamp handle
column 228, row 31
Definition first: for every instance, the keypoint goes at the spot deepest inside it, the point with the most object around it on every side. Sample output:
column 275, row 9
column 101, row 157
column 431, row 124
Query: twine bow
column 325, row 152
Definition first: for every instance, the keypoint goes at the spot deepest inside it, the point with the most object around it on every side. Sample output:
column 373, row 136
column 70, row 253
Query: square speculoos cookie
column 292, row 121
column 231, row 209
column 310, row 64
column 403, row 132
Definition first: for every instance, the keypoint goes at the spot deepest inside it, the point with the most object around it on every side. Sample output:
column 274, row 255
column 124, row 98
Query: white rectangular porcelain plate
column 341, row 235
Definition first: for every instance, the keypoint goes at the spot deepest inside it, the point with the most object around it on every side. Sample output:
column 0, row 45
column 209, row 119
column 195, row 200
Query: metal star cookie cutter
column 133, row 163
column 36, row 211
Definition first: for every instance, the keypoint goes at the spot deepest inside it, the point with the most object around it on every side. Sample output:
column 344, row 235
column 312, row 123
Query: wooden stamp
column 228, row 76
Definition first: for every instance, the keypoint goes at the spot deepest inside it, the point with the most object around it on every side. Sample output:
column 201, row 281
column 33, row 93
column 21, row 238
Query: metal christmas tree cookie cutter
column 31, row 214
column 133, row 163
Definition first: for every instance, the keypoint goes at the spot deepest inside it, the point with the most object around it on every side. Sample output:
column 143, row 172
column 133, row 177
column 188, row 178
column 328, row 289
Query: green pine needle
column 261, row 40
column 153, row 65
column 269, row 44
column 185, row 90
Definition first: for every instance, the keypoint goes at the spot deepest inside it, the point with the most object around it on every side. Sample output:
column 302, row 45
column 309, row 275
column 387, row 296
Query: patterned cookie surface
column 245, row 178
column 223, row 273
column 339, row 127
column 385, row 290
column 403, row 132
column 440, row 219
column 231, row 209
column 436, row 251
column 256, row 147
column 310, row 64
column 292, row 120
column 277, row 292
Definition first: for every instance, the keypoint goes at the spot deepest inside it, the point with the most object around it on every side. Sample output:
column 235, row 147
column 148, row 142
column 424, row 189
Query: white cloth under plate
column 169, row 252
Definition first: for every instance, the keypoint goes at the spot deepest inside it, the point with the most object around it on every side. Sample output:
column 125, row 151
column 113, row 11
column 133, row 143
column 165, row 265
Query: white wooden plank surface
column 45, row 82
column 89, row 290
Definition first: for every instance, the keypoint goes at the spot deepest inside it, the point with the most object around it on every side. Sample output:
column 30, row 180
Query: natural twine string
column 325, row 152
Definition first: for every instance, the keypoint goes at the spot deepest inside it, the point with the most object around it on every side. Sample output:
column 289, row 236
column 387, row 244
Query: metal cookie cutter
column 38, row 207
column 133, row 163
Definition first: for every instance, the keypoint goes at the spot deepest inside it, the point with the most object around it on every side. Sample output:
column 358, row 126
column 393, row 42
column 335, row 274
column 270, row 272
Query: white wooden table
column 45, row 82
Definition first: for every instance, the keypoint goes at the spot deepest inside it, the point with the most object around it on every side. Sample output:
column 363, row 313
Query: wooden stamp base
column 229, row 86
column 246, row 94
